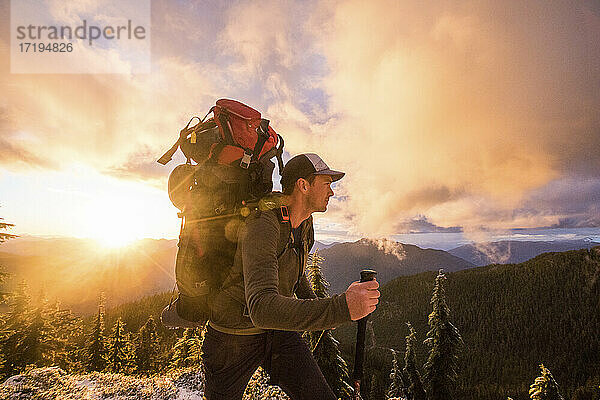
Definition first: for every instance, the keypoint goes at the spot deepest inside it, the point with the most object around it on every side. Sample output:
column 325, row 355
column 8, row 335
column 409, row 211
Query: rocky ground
column 54, row 383
column 184, row 384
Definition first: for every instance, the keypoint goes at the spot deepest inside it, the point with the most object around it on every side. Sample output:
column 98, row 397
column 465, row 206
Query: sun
column 115, row 222
column 112, row 241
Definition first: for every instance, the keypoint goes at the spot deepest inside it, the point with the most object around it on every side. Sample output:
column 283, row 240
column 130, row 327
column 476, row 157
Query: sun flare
column 114, row 242
column 116, row 222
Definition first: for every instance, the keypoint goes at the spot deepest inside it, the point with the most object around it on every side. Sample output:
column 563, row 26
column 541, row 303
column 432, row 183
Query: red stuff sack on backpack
column 236, row 135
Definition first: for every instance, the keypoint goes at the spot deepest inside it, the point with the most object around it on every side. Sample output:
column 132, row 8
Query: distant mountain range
column 320, row 246
column 39, row 246
column 76, row 271
column 514, row 251
column 344, row 261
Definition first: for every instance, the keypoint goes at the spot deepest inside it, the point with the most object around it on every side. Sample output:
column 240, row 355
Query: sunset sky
column 446, row 116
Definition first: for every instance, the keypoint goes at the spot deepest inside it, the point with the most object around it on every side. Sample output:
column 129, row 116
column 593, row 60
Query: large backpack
column 227, row 175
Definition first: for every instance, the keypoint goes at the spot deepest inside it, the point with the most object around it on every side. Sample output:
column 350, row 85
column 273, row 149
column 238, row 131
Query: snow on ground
column 54, row 383
column 186, row 394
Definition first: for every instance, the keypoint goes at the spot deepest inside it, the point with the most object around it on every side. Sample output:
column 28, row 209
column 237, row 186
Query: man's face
column 319, row 193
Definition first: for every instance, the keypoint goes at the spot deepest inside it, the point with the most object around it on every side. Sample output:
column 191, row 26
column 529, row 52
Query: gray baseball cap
column 303, row 165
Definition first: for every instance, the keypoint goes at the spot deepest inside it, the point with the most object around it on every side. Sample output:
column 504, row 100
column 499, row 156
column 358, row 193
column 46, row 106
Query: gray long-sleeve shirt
column 259, row 292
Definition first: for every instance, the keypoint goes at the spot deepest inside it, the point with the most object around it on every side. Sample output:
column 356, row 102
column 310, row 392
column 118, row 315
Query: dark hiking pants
column 230, row 361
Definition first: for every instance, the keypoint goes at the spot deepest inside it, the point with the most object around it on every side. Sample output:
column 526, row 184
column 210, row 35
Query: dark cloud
column 431, row 195
column 422, row 225
column 585, row 221
column 573, row 195
column 573, row 202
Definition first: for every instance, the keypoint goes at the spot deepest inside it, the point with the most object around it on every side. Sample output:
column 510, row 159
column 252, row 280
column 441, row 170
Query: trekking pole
column 359, row 357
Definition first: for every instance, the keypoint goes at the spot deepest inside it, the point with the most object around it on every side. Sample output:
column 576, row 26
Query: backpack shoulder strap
column 285, row 229
column 308, row 234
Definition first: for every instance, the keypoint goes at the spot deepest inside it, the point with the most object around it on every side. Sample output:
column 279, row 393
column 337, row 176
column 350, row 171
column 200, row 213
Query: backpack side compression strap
column 279, row 155
column 165, row 158
column 228, row 135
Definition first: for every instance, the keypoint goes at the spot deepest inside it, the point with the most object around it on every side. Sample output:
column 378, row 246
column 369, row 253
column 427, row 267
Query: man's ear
column 302, row 185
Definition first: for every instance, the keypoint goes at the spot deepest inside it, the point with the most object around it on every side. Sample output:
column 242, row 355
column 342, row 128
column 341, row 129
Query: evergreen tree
column 444, row 341
column 10, row 358
column 36, row 341
column 13, row 331
column 398, row 387
column 20, row 304
column 130, row 339
column 545, row 387
column 415, row 389
column 180, row 350
column 3, row 235
column 316, row 279
column 3, row 292
column 187, row 350
column 68, row 338
column 37, row 346
column 3, row 238
column 28, row 337
column 325, row 347
column 330, row 361
column 147, row 350
column 118, row 353
column 96, row 351
column 195, row 345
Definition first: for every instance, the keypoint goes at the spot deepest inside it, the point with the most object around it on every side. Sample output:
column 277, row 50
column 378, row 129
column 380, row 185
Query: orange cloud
column 442, row 115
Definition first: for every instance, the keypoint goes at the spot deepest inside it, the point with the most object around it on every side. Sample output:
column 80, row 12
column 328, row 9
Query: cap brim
column 335, row 175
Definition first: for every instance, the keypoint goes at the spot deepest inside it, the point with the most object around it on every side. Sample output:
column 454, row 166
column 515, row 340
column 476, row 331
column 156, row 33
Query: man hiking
column 266, row 298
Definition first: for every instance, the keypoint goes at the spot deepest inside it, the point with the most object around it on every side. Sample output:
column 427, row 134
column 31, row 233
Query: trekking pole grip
column 367, row 275
column 359, row 357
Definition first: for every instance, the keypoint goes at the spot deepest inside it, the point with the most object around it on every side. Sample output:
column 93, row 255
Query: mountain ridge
column 514, row 251
column 344, row 261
